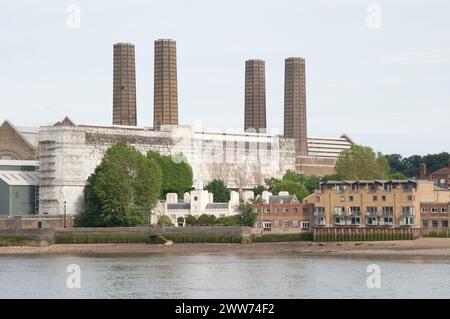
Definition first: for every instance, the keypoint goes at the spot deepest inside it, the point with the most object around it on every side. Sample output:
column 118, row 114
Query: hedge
column 282, row 237
column 119, row 238
column 16, row 240
column 203, row 238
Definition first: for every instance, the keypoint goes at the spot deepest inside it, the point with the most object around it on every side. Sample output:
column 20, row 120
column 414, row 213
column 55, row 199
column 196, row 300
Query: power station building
column 69, row 152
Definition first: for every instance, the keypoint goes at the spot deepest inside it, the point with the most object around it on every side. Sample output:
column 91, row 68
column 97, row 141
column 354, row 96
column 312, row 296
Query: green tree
column 190, row 220
column 247, row 216
column 257, row 190
column 177, row 175
column 292, row 188
column 164, row 220
column 123, row 189
column 361, row 162
column 206, row 220
column 219, row 189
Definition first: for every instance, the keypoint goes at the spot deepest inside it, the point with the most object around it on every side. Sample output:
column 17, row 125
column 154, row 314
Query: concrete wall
column 23, row 200
column 18, row 223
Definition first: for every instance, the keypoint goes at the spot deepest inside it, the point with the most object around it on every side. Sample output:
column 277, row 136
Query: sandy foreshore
column 424, row 247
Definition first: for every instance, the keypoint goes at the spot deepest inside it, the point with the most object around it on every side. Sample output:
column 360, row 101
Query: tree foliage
column 164, row 220
column 361, row 162
column 246, row 217
column 409, row 166
column 123, row 189
column 177, row 176
column 219, row 189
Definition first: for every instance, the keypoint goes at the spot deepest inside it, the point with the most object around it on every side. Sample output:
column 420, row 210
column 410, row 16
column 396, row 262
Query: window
column 372, row 188
column 444, row 209
column 445, row 224
column 407, row 220
column 410, row 198
column 267, row 224
column 268, row 210
column 6, row 157
column 350, row 198
column 340, row 189
column 319, row 211
column 286, row 210
column 317, row 199
column 375, row 198
column 388, row 210
column 286, row 224
column 342, row 198
column 387, row 188
column 339, row 210
column 355, row 220
column 408, row 210
column 295, row 223
column 434, row 210
column 295, row 210
column 424, row 210
column 383, row 198
column 354, row 210
column 173, row 217
column 371, row 221
column 305, row 224
column 425, row 223
column 339, row 220
column 435, row 224
column 355, row 188
column 372, row 210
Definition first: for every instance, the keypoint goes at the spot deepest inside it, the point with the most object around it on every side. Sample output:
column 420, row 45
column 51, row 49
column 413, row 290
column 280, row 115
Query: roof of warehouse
column 19, row 178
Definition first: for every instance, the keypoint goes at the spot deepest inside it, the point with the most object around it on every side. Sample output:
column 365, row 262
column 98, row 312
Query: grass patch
column 16, row 240
column 116, row 238
column 267, row 238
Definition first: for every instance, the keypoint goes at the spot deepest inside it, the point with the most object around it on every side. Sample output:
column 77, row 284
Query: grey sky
column 387, row 88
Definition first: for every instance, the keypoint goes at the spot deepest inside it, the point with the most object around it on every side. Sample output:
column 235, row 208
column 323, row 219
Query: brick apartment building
column 434, row 216
column 282, row 212
column 374, row 203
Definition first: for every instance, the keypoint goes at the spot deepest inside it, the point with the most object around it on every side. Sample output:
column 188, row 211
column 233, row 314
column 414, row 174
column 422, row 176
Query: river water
column 221, row 276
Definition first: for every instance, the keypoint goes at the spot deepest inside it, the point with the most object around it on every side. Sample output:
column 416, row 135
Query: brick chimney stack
column 422, row 171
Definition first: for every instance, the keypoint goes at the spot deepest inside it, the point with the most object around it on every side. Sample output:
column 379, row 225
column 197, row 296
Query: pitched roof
column 28, row 134
column 444, row 170
column 282, row 199
column 19, row 178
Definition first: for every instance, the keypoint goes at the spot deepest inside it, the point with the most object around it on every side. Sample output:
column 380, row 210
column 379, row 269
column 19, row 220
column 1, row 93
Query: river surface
column 220, row 276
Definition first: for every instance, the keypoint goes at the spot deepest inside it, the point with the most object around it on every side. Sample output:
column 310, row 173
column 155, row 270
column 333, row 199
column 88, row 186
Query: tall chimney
column 255, row 96
column 295, row 125
column 422, row 171
column 124, row 85
column 165, row 97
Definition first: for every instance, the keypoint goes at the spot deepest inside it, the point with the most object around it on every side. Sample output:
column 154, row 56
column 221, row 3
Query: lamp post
column 65, row 215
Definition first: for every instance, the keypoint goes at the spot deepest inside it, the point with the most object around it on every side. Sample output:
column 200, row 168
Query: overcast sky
column 379, row 73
